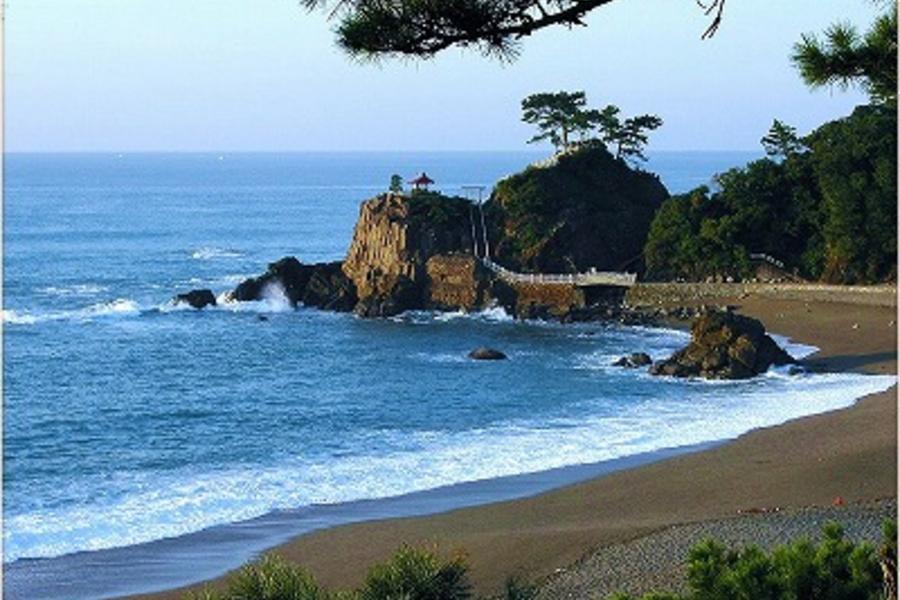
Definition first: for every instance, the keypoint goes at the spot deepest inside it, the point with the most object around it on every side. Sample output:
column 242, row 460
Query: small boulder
column 484, row 353
column 633, row 361
column 196, row 298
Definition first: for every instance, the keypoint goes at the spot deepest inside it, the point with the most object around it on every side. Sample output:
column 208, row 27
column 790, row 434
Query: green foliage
column 396, row 184
column 556, row 115
column 561, row 115
column 833, row 569
column 828, row 213
column 437, row 210
column 519, row 589
column 422, row 28
column 782, row 141
column 856, row 169
column 586, row 210
column 417, row 575
column 270, row 578
column 844, row 58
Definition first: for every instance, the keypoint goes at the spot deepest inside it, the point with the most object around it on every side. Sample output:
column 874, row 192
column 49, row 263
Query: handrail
column 577, row 279
column 769, row 259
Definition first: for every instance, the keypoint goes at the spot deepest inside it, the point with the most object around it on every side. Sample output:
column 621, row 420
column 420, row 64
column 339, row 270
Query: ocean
column 130, row 423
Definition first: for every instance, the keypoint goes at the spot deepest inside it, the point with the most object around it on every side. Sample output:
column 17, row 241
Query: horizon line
column 419, row 151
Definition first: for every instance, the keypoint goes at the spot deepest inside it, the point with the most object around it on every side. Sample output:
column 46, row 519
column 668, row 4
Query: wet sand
column 807, row 462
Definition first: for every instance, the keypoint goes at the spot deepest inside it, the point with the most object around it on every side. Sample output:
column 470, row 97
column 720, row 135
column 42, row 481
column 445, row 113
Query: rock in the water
column 289, row 273
column 323, row 285
column 486, row 354
column 632, row 361
column 196, row 298
column 724, row 345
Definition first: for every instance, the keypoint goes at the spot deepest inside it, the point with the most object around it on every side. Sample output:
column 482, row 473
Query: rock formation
column 196, row 298
column 633, row 361
column 322, row 285
column 395, row 238
column 484, row 353
column 589, row 209
column 724, row 345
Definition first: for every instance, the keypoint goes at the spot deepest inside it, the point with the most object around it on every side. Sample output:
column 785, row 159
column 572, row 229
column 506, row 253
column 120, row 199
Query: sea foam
column 148, row 506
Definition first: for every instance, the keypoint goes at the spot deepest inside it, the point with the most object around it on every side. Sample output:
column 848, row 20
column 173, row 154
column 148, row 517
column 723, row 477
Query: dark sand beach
column 800, row 466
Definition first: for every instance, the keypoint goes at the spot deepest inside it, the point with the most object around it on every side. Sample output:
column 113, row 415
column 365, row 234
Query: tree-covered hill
column 826, row 204
column 826, row 209
column 587, row 209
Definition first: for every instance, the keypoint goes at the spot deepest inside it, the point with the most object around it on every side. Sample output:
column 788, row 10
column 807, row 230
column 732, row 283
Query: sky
column 264, row 75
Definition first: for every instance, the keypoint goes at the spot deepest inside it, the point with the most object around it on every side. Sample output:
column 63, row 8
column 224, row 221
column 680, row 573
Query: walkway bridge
column 590, row 278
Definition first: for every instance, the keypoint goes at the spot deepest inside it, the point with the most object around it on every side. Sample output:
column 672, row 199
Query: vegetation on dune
column 834, row 569
column 824, row 204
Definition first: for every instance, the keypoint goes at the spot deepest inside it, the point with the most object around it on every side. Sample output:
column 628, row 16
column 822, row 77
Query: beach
column 797, row 466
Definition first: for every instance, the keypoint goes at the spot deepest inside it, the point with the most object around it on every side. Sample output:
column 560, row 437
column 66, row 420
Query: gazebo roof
column 422, row 179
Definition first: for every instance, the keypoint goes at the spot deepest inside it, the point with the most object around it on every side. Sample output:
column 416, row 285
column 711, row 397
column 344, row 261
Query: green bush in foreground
column 411, row 574
column 834, row 569
column 417, row 575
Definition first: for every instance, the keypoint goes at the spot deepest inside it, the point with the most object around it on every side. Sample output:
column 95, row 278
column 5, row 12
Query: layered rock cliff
column 401, row 254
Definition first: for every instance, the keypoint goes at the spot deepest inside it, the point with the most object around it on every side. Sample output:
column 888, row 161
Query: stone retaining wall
column 657, row 294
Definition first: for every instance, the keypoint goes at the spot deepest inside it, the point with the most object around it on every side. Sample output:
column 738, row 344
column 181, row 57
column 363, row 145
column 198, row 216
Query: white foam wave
column 86, row 289
column 225, row 280
column 117, row 307
column 274, row 299
column 152, row 506
column 796, row 349
column 14, row 317
column 494, row 314
column 212, row 252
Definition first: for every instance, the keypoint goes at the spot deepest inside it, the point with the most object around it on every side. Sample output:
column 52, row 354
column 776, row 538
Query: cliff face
column 393, row 241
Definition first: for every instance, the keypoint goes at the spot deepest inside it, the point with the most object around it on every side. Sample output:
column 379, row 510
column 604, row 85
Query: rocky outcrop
column 633, row 361
column 393, row 241
column 196, row 298
column 724, row 345
column 329, row 288
column 588, row 209
column 322, row 285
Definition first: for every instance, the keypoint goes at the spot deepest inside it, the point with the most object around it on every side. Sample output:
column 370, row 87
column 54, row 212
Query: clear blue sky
column 245, row 75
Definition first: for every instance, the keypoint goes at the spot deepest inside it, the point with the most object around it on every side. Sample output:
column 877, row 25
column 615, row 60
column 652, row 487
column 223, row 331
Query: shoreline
column 563, row 541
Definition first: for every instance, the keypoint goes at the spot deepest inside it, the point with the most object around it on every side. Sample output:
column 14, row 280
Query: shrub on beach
column 413, row 574
column 270, row 578
column 834, row 569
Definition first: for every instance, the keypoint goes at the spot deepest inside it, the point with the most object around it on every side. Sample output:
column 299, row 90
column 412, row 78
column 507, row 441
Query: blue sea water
column 129, row 420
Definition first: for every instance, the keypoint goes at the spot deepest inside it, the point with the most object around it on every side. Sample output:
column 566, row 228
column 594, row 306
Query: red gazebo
column 422, row 181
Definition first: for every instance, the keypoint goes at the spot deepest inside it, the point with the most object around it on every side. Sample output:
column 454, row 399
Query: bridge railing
column 579, row 279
